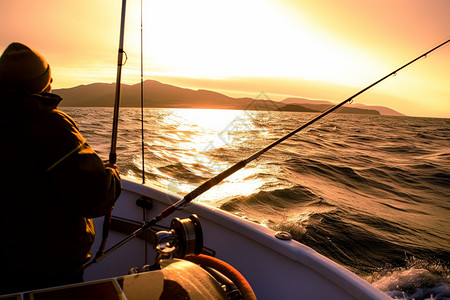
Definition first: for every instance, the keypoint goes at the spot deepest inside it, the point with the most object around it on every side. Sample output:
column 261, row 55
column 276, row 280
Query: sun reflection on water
column 207, row 129
column 199, row 144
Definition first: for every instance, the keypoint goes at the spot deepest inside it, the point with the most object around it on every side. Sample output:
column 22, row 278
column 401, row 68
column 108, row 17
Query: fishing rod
column 218, row 178
column 236, row 167
column 120, row 63
column 112, row 155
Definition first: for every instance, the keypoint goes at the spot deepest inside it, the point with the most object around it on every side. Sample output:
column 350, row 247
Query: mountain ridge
column 162, row 95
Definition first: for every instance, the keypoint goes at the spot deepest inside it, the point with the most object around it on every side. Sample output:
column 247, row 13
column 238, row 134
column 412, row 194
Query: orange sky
column 315, row 49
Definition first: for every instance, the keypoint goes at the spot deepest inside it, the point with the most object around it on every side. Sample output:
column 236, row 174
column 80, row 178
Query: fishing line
column 218, row 178
column 144, row 211
column 142, row 100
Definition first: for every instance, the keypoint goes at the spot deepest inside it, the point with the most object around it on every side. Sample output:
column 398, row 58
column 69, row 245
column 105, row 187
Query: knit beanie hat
column 24, row 69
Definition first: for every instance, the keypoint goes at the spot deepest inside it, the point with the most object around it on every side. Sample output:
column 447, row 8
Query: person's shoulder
column 59, row 116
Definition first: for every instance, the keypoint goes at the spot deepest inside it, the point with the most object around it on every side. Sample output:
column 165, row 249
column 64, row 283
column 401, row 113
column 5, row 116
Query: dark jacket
column 52, row 184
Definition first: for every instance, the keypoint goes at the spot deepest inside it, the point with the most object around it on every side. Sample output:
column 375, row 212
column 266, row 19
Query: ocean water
column 369, row 192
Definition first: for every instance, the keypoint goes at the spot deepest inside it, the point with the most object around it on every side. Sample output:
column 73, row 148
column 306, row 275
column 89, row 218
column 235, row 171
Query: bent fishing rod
column 236, row 167
column 218, row 178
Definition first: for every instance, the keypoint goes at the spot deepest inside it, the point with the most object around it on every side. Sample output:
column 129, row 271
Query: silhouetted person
column 52, row 182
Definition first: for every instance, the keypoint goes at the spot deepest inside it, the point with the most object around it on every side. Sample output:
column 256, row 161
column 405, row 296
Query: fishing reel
column 185, row 237
column 184, row 241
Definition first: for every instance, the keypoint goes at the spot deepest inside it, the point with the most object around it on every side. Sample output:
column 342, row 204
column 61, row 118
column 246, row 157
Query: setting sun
column 240, row 39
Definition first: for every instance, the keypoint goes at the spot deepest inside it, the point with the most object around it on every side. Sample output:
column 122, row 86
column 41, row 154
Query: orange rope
column 227, row 270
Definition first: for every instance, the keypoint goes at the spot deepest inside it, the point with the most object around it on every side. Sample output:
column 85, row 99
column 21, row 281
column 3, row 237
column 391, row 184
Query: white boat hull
column 276, row 269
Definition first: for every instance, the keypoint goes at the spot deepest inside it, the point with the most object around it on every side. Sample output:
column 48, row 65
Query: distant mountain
column 305, row 101
column 355, row 108
column 157, row 94
column 296, row 107
column 382, row 109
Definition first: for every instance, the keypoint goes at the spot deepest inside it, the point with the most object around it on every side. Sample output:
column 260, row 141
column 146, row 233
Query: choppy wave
column 369, row 192
column 419, row 280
